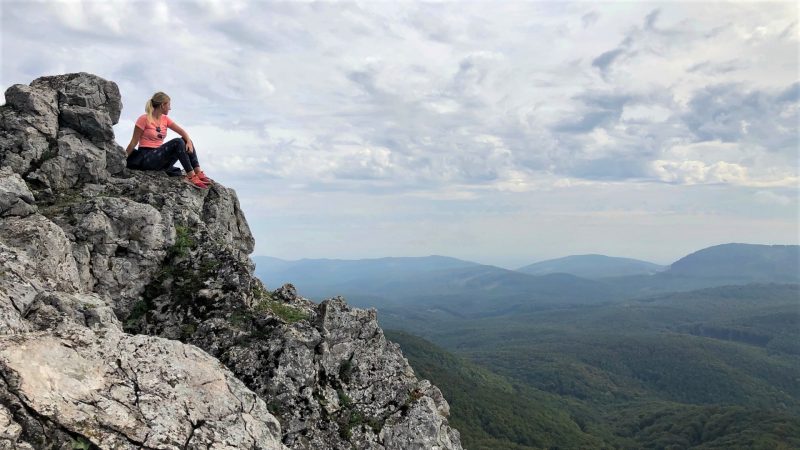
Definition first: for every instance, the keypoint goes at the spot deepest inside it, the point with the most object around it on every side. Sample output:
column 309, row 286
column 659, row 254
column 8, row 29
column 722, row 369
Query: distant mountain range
column 454, row 286
column 720, row 265
column 323, row 278
column 593, row 266
column 451, row 285
column 591, row 351
column 339, row 270
column 779, row 263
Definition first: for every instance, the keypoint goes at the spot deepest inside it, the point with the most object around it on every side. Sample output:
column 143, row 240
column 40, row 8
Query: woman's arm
column 137, row 134
column 176, row 128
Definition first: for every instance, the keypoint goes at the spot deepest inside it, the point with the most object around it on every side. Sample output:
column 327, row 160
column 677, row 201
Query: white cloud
column 102, row 17
column 725, row 162
column 697, row 172
column 645, row 113
column 711, row 151
column 443, row 106
column 222, row 9
column 357, row 162
column 72, row 14
column 453, row 102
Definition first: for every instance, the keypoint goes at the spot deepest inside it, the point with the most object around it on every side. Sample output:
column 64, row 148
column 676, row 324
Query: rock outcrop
column 130, row 317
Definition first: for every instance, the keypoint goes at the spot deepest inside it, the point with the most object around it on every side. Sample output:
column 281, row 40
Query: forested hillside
column 715, row 368
column 697, row 356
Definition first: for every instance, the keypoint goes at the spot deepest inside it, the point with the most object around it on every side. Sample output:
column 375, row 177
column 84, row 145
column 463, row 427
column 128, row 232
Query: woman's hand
column 184, row 135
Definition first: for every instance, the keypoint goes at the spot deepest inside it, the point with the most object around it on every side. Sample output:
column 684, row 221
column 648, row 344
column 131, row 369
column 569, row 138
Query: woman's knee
column 177, row 145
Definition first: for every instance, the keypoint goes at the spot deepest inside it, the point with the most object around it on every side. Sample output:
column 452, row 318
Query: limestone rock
column 125, row 242
column 327, row 370
column 286, row 293
column 61, row 128
column 103, row 270
column 77, row 162
column 40, row 105
column 15, row 197
column 225, row 219
column 110, row 390
column 88, row 122
column 35, row 258
column 22, row 146
column 423, row 425
column 53, row 310
column 40, row 252
column 10, row 432
column 85, row 90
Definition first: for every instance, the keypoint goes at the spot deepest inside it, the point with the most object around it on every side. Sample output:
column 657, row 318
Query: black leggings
column 162, row 158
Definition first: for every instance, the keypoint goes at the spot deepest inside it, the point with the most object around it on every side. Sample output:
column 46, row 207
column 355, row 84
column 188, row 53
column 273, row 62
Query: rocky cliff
column 130, row 317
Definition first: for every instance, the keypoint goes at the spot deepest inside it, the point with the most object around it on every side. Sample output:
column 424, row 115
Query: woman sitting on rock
column 153, row 153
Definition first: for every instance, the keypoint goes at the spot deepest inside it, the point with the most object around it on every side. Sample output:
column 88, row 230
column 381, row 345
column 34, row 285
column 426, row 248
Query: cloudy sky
column 499, row 132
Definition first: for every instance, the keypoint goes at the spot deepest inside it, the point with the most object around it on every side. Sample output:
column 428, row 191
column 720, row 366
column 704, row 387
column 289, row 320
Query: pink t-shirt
column 154, row 132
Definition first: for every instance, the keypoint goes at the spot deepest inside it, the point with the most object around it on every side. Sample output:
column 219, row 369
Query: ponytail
column 155, row 101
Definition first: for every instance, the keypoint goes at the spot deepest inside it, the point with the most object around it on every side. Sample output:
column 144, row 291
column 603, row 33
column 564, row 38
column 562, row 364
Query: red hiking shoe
column 202, row 176
column 195, row 181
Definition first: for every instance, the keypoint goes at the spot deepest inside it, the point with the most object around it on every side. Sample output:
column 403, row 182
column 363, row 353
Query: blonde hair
column 158, row 99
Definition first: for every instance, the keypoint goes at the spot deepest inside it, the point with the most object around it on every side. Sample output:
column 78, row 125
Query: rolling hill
column 598, row 384
column 593, row 266
column 443, row 286
column 449, row 286
column 746, row 262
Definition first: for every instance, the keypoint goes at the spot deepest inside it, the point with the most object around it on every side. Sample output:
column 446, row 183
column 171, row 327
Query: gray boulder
column 15, row 197
column 84, row 90
column 38, row 251
column 60, row 130
column 127, row 392
column 23, row 146
column 38, row 106
column 77, row 162
column 119, row 245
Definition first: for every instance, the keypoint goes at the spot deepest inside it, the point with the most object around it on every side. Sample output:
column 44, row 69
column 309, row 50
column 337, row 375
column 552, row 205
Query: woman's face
column 165, row 107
